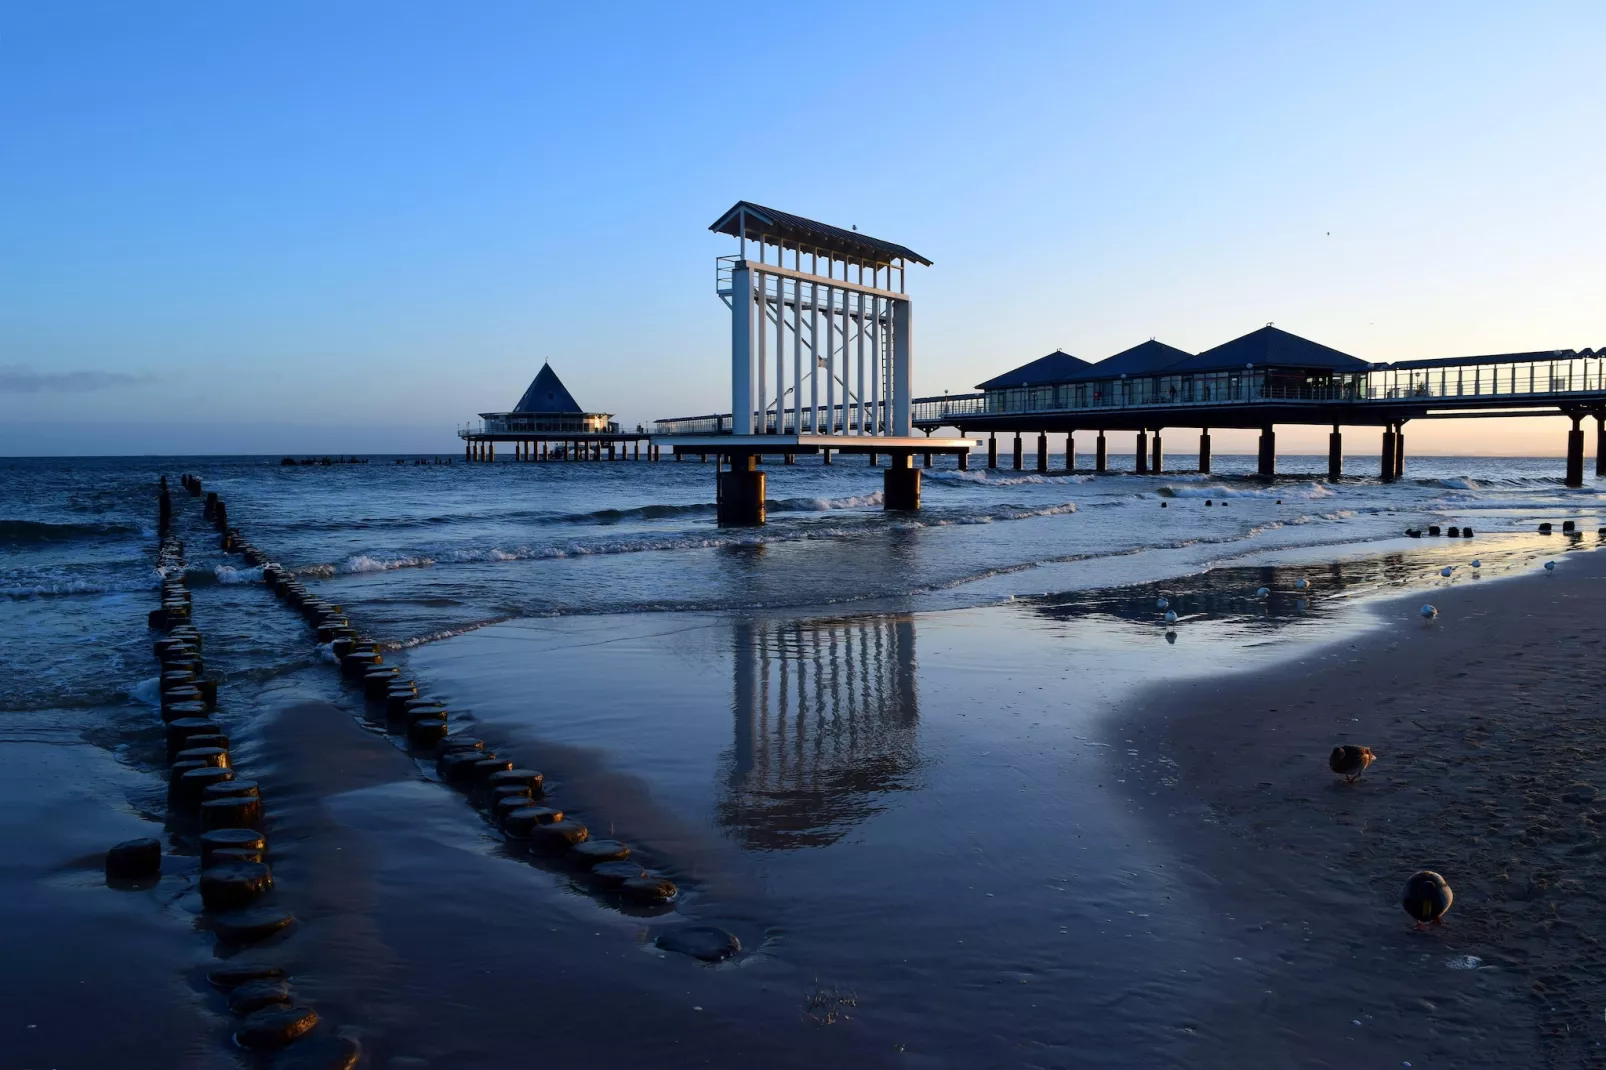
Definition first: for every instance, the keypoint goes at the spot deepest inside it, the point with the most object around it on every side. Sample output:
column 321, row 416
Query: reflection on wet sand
column 825, row 721
column 1230, row 593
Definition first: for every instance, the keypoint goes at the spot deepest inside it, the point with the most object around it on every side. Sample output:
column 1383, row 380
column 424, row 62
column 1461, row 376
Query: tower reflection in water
column 825, row 713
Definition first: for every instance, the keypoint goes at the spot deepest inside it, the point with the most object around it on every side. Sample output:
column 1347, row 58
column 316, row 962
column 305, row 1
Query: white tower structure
column 822, row 354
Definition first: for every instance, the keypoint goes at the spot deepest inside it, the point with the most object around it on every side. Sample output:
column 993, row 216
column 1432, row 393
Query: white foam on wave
column 367, row 563
column 228, row 574
column 822, row 505
column 147, row 691
column 326, row 651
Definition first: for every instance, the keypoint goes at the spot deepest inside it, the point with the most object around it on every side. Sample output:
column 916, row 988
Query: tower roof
column 793, row 231
column 547, row 393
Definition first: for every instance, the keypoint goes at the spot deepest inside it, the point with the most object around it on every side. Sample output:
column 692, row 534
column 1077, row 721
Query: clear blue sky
column 311, row 226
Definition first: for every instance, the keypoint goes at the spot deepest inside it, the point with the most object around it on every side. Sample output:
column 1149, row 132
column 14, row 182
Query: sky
column 312, row 227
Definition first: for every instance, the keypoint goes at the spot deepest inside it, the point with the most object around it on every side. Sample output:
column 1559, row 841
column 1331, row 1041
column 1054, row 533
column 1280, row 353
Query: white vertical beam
column 763, row 348
column 797, row 353
column 874, row 345
column 780, row 349
column 742, row 349
column 902, row 367
column 858, row 332
column 814, row 352
column 830, row 360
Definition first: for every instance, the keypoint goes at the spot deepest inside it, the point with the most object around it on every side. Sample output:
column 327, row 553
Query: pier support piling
column 1070, row 453
column 964, row 462
column 1018, row 453
column 1268, row 452
column 1157, row 464
column 992, row 451
column 1399, row 451
column 1204, row 450
column 1600, row 444
column 1042, row 451
column 1387, row 470
column 1101, row 455
column 1335, row 454
column 900, row 484
column 1575, row 454
column 1141, row 454
column 741, row 493
column 825, row 456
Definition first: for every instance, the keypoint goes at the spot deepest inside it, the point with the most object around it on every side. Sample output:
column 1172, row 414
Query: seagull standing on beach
column 1427, row 897
column 1170, row 616
column 1476, row 563
column 1429, row 612
column 1550, row 566
column 1350, row 761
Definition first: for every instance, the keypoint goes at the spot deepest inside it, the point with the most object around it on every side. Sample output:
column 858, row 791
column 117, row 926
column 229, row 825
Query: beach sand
column 1492, row 742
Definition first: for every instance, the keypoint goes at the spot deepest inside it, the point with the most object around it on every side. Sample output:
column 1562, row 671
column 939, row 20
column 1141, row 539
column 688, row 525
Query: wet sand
column 1492, row 735
column 940, row 836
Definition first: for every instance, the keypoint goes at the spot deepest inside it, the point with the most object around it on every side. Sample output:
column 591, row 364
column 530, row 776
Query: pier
column 1266, row 378
column 547, row 424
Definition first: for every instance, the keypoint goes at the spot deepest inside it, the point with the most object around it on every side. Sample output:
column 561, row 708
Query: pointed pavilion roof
column 1145, row 358
column 547, row 393
column 1270, row 347
column 1057, row 367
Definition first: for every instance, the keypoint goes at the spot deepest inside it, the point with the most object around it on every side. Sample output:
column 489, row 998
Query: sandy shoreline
column 1493, row 744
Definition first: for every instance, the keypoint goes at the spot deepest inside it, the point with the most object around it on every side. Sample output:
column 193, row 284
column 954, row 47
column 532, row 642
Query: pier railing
column 816, row 420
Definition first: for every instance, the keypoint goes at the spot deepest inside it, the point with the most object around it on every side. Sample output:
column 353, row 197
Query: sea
column 875, row 748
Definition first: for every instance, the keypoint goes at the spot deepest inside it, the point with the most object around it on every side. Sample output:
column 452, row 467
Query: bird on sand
column 1427, row 897
column 1264, row 592
column 1170, row 616
column 1350, row 761
column 1429, row 612
column 1476, row 563
column 1446, row 570
column 1550, row 566
column 1301, row 583
column 1161, row 603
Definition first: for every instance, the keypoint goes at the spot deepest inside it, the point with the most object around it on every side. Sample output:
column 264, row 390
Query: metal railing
column 841, row 420
column 544, row 425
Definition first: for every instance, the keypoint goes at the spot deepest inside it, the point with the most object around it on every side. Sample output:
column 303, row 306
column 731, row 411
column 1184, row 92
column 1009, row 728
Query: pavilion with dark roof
column 546, row 412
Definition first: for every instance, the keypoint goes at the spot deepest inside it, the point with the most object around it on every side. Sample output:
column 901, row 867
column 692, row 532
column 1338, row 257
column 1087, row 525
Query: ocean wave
column 1008, row 512
column 228, row 574
column 823, row 505
column 948, row 475
column 36, row 532
column 1306, row 491
column 71, row 588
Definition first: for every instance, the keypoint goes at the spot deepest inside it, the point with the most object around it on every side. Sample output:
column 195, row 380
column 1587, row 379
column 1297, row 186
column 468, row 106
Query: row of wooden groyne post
column 215, row 813
column 511, row 795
